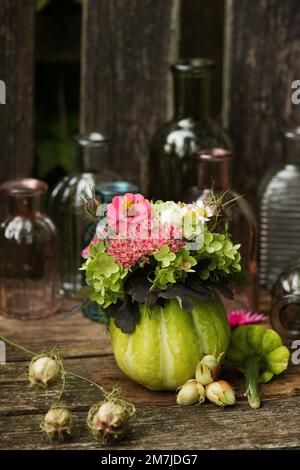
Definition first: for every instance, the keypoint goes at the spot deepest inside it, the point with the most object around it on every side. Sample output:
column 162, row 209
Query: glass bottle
column 280, row 213
column 285, row 312
column 65, row 204
column 29, row 278
column 213, row 173
column 172, row 168
column 105, row 192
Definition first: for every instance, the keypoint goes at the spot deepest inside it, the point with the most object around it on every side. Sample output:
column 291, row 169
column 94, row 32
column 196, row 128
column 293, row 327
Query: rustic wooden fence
column 125, row 85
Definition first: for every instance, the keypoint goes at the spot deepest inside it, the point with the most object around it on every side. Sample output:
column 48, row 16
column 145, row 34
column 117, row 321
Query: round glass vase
column 285, row 311
column 29, row 278
column 167, row 343
column 172, row 167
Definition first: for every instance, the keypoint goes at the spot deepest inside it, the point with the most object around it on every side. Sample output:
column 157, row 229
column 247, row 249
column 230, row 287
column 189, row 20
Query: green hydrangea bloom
column 223, row 255
column 172, row 267
column 104, row 276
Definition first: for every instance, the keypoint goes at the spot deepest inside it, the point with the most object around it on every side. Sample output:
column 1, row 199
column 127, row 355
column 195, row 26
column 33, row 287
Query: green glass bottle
column 172, row 166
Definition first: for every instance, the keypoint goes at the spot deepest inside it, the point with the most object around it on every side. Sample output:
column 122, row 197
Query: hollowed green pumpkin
column 163, row 351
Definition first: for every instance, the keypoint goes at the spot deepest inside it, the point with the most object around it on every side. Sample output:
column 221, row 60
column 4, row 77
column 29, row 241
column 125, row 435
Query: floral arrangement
column 147, row 253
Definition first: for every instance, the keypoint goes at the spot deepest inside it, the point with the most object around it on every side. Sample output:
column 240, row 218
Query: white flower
column 172, row 215
column 169, row 213
column 203, row 211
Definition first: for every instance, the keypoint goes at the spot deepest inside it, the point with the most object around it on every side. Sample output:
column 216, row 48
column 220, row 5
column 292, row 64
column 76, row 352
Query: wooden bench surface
column 160, row 423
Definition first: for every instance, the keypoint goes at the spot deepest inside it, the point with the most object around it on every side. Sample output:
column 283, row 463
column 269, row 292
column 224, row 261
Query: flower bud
column 44, row 370
column 191, row 393
column 220, row 393
column 57, row 422
column 109, row 420
column 207, row 370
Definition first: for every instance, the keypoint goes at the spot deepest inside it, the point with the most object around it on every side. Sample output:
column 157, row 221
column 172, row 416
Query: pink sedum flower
column 85, row 252
column 135, row 251
column 242, row 317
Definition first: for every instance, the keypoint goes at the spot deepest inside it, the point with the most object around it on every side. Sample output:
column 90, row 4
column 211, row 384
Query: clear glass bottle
column 285, row 312
column 65, row 204
column 280, row 213
column 172, row 168
column 213, row 173
column 29, row 278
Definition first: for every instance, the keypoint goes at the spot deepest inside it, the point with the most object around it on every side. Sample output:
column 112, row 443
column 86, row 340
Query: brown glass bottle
column 213, row 172
column 172, row 167
column 29, row 278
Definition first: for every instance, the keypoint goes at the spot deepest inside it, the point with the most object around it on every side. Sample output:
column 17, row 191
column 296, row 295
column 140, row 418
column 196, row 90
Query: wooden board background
column 262, row 43
column 17, row 19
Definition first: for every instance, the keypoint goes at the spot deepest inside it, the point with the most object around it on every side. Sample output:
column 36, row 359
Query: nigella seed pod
column 207, row 370
column 44, row 370
column 109, row 420
column 191, row 393
column 92, row 205
column 220, row 393
column 57, row 422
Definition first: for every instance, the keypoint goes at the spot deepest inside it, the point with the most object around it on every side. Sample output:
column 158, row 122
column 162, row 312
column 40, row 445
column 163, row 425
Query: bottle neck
column 93, row 159
column 20, row 204
column 292, row 151
column 191, row 96
column 214, row 174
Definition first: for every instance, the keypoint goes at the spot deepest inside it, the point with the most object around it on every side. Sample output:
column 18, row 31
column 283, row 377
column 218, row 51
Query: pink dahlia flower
column 241, row 317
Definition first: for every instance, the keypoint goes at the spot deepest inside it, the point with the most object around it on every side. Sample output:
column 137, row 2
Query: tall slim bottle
column 172, row 167
column 65, row 203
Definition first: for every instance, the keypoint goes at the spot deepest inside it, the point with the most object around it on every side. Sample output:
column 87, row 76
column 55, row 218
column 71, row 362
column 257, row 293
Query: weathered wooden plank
column 261, row 62
column 76, row 335
column 126, row 50
column 14, row 383
column 274, row 426
column 201, row 31
column 16, row 70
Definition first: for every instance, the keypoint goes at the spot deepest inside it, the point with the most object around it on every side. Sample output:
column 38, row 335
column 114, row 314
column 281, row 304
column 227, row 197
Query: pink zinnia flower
column 129, row 214
column 242, row 317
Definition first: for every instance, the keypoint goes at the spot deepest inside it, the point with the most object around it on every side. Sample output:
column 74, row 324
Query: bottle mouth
column 195, row 66
column 214, row 154
column 24, row 187
column 91, row 139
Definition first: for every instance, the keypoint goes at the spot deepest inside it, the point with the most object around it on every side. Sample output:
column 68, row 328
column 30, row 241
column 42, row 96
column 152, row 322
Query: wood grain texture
column 126, row 50
column 275, row 426
column 261, row 62
column 76, row 335
column 16, row 70
column 103, row 370
column 160, row 423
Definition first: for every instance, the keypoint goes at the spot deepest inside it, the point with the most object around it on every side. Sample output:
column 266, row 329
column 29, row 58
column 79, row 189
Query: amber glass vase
column 29, row 254
column 172, row 167
column 213, row 172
